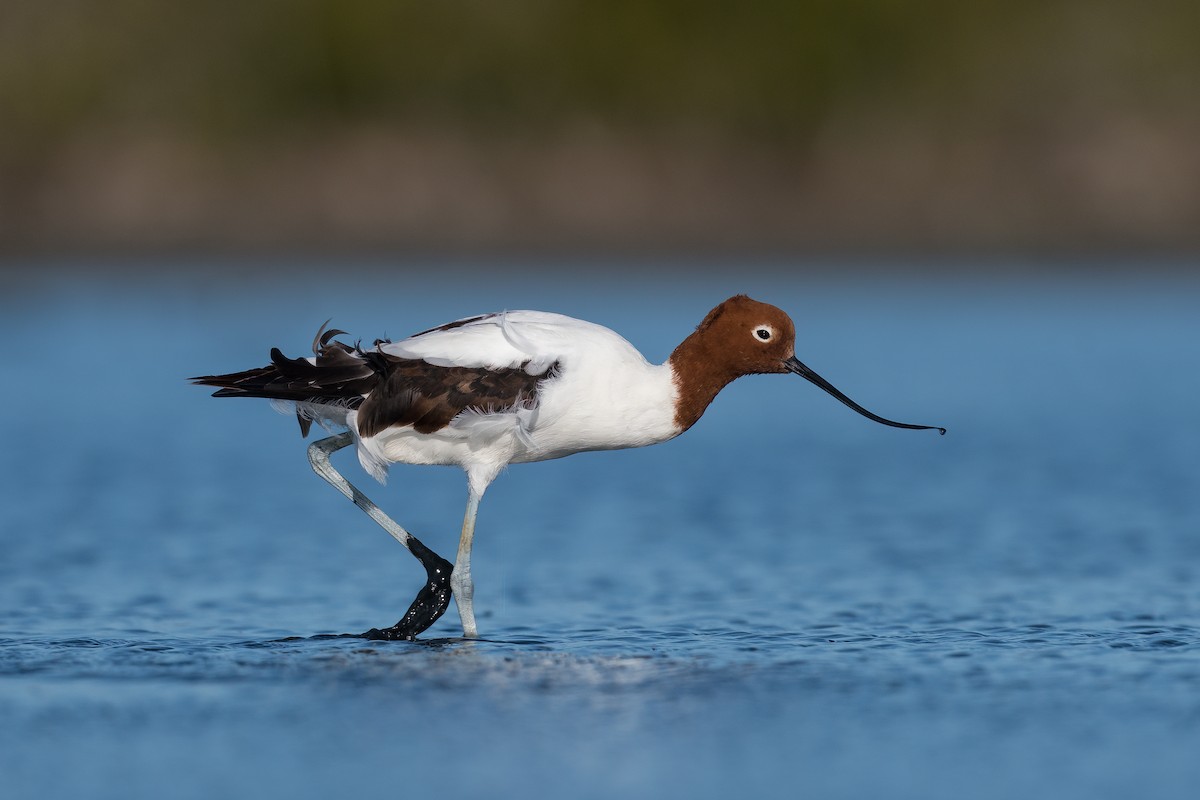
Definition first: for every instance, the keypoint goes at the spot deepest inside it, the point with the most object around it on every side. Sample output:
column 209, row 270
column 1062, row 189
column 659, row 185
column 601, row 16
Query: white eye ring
column 764, row 332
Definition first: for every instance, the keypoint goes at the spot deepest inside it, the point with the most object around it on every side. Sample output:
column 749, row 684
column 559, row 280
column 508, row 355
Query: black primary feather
column 388, row 391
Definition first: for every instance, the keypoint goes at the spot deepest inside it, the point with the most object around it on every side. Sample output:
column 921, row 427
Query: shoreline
column 1118, row 188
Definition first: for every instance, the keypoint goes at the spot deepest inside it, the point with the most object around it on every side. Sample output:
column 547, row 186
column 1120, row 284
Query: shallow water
column 788, row 600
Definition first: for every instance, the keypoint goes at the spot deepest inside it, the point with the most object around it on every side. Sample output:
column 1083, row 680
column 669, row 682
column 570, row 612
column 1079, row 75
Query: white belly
column 576, row 412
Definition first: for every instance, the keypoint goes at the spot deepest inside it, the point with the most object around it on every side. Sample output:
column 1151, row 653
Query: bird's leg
column 460, row 580
column 433, row 599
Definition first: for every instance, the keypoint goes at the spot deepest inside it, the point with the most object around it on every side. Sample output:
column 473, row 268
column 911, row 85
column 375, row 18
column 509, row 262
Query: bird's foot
column 431, row 602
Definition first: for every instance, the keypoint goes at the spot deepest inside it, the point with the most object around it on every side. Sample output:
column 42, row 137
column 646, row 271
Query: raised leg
column 433, row 599
column 460, row 580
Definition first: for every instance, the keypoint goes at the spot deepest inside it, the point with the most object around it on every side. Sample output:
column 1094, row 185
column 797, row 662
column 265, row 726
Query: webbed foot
column 431, row 602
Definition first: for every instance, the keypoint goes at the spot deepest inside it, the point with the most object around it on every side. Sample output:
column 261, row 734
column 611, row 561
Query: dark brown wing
column 413, row 392
column 387, row 390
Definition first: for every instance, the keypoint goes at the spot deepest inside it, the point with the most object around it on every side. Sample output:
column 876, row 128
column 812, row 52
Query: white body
column 604, row 395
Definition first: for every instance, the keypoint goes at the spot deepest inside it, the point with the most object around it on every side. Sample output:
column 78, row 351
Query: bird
column 510, row 387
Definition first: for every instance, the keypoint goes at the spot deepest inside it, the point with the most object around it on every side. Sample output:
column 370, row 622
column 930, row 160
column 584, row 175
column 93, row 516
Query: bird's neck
column 700, row 374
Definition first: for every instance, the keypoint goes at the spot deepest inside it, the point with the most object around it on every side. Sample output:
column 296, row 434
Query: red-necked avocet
column 498, row 389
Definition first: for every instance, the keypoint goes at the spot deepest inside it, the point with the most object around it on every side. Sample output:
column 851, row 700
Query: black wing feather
column 387, row 390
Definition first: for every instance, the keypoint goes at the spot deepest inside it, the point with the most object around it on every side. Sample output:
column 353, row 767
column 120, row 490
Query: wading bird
column 507, row 388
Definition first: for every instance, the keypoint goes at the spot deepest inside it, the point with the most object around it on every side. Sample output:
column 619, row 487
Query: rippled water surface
column 787, row 601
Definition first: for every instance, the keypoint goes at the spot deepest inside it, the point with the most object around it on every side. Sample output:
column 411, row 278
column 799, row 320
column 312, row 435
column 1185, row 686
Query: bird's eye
column 763, row 333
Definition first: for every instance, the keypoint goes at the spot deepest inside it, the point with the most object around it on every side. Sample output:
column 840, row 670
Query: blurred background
column 981, row 215
column 557, row 126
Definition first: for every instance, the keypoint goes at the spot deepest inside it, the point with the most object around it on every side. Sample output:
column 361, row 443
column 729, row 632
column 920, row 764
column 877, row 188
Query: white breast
column 603, row 402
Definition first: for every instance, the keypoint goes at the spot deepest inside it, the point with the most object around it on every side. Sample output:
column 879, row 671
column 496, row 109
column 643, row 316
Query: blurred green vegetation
column 768, row 69
column 130, row 123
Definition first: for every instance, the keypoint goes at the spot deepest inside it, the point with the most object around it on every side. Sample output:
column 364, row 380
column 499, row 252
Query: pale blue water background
column 788, row 601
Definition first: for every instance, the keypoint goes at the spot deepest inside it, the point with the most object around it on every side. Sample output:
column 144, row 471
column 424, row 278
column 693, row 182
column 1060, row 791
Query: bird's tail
column 336, row 376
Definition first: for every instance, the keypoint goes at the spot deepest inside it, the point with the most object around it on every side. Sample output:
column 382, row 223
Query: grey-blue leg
column 460, row 581
column 434, row 598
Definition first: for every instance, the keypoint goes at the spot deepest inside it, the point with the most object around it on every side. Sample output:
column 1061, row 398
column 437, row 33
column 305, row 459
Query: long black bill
column 795, row 365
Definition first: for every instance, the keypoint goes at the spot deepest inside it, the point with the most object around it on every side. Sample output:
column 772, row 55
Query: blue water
column 787, row 601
